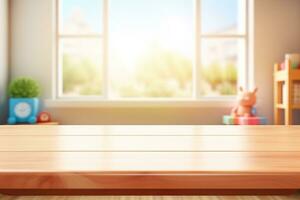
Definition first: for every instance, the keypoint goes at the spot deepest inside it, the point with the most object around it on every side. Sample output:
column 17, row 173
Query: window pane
column 221, row 59
column 81, row 62
column 81, row 16
column 151, row 48
column 223, row 16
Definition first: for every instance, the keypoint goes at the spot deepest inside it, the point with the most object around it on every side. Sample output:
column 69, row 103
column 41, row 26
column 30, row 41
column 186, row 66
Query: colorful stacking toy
column 231, row 120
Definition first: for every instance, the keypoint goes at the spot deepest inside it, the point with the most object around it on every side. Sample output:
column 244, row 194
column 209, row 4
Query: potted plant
column 23, row 102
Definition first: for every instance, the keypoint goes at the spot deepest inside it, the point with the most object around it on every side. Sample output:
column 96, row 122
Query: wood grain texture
column 138, row 130
column 149, row 157
column 157, row 192
column 137, row 180
column 152, row 198
column 147, row 162
column 149, row 143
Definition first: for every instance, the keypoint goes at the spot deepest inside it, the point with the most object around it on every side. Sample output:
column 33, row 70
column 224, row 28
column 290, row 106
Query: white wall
column 3, row 56
column 31, row 41
column 276, row 33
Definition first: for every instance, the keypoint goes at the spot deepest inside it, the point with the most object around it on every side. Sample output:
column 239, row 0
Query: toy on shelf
column 23, row 102
column 244, row 112
column 44, row 118
column 294, row 60
column 282, row 66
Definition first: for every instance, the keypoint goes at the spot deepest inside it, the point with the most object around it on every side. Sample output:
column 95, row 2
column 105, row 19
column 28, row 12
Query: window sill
column 206, row 103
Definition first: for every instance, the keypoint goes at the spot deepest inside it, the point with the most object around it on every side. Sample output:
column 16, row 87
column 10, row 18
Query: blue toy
column 23, row 110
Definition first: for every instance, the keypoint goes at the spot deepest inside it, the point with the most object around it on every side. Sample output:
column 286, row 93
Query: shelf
column 281, row 106
column 295, row 75
column 297, row 106
column 282, row 75
column 286, row 77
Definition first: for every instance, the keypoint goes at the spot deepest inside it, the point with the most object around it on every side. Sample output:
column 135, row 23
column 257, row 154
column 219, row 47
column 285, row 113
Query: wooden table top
column 151, row 150
column 144, row 148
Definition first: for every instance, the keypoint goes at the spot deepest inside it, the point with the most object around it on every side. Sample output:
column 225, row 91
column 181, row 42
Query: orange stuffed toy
column 246, row 100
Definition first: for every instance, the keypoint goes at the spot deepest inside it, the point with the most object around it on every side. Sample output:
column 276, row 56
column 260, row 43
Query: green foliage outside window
column 81, row 77
column 221, row 79
column 159, row 74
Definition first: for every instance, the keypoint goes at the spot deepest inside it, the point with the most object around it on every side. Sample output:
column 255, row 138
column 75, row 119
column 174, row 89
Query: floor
column 145, row 158
column 156, row 198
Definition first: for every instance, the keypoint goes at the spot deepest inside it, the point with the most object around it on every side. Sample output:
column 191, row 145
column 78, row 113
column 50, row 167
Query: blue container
column 23, row 110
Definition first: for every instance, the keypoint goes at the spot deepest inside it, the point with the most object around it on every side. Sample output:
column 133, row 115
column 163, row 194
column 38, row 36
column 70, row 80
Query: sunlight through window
column 151, row 49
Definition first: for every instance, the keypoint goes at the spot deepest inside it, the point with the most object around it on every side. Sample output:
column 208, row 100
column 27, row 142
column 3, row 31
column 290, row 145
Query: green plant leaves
column 24, row 88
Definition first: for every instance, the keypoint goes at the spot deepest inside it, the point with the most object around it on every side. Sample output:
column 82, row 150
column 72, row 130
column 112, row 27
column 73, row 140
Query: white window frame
column 58, row 36
column 243, row 74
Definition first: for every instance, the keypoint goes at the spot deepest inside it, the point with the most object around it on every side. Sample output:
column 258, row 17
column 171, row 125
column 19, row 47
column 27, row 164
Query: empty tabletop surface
column 150, row 149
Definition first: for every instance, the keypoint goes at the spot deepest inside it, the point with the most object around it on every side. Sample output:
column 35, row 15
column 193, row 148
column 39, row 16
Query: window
column 151, row 49
column 223, row 46
column 81, row 48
